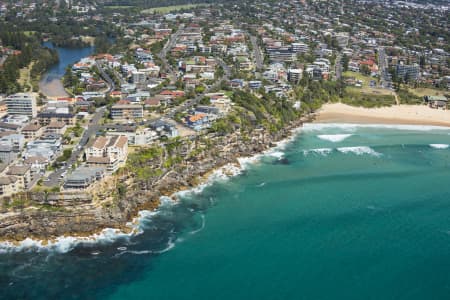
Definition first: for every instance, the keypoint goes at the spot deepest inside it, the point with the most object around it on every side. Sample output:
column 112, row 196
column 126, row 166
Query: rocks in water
column 282, row 161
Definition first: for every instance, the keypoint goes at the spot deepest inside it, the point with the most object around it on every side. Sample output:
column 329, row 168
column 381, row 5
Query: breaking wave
column 335, row 138
column 439, row 146
column 359, row 150
column 65, row 244
column 320, row 151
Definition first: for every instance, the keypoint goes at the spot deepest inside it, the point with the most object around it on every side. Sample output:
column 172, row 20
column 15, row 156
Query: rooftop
column 7, row 180
column 18, row 170
column 32, row 127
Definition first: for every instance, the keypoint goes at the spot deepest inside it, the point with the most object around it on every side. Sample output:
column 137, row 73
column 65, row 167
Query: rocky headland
column 115, row 201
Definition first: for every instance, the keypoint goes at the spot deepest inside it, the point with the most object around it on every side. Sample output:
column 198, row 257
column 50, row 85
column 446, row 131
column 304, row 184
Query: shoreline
column 222, row 168
column 52, row 88
column 220, row 171
column 394, row 115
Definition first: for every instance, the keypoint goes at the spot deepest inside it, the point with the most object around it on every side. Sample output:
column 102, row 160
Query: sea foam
column 439, row 146
column 202, row 226
column 335, row 138
column 109, row 235
column 320, row 151
column 359, row 150
column 276, row 154
column 64, row 244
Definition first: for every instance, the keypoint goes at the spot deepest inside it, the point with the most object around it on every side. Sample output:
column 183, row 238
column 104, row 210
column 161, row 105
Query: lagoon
column 50, row 84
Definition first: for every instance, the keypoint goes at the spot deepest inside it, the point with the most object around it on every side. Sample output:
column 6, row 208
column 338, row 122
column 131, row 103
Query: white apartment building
column 110, row 152
column 21, row 104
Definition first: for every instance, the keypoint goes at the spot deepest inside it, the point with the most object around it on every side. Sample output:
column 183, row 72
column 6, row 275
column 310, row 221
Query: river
column 51, row 85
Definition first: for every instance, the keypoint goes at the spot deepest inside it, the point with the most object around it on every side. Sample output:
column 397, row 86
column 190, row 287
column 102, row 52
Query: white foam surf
column 359, row 150
column 201, row 227
column 320, row 151
column 64, row 244
column 170, row 246
column 109, row 235
column 439, row 146
column 335, row 138
column 134, row 252
column 276, row 154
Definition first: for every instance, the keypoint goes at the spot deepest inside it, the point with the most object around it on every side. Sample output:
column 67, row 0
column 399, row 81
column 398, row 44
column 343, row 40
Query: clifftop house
column 110, row 152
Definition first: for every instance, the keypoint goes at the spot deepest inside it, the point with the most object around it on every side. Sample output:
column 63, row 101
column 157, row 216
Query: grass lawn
column 25, row 77
column 365, row 79
column 29, row 33
column 167, row 9
column 426, row 92
column 369, row 90
column 119, row 6
column 228, row 93
column 365, row 89
column 356, row 98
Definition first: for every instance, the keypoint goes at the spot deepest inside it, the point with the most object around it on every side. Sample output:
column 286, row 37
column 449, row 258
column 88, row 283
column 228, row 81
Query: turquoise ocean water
column 341, row 212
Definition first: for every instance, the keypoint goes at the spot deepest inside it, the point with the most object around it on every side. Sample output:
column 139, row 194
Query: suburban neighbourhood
column 148, row 95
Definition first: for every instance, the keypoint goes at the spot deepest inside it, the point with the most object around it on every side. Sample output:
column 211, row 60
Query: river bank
column 91, row 220
column 52, row 87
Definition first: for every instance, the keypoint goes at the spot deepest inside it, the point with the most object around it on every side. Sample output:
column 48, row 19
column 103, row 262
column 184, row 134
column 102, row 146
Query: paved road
column 122, row 81
column 108, row 79
column 385, row 77
column 169, row 45
column 226, row 68
column 93, row 127
column 338, row 66
column 257, row 53
column 191, row 102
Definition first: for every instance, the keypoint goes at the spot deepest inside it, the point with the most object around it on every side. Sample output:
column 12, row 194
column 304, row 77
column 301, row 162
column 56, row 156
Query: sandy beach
column 399, row 114
column 52, row 88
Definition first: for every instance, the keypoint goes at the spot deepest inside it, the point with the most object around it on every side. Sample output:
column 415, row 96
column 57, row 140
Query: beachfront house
column 437, row 101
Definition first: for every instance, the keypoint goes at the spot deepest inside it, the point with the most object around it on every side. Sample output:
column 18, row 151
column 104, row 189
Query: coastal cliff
column 116, row 201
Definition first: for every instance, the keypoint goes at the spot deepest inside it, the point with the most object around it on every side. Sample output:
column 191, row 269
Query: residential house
column 436, row 101
column 46, row 147
column 9, row 185
column 16, row 141
column 110, row 152
column 127, row 111
column 37, row 163
column 22, row 173
column 56, row 127
column 255, row 84
column 164, row 128
column 83, row 177
column 198, row 121
column 46, row 117
column 32, row 131
column 22, row 104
